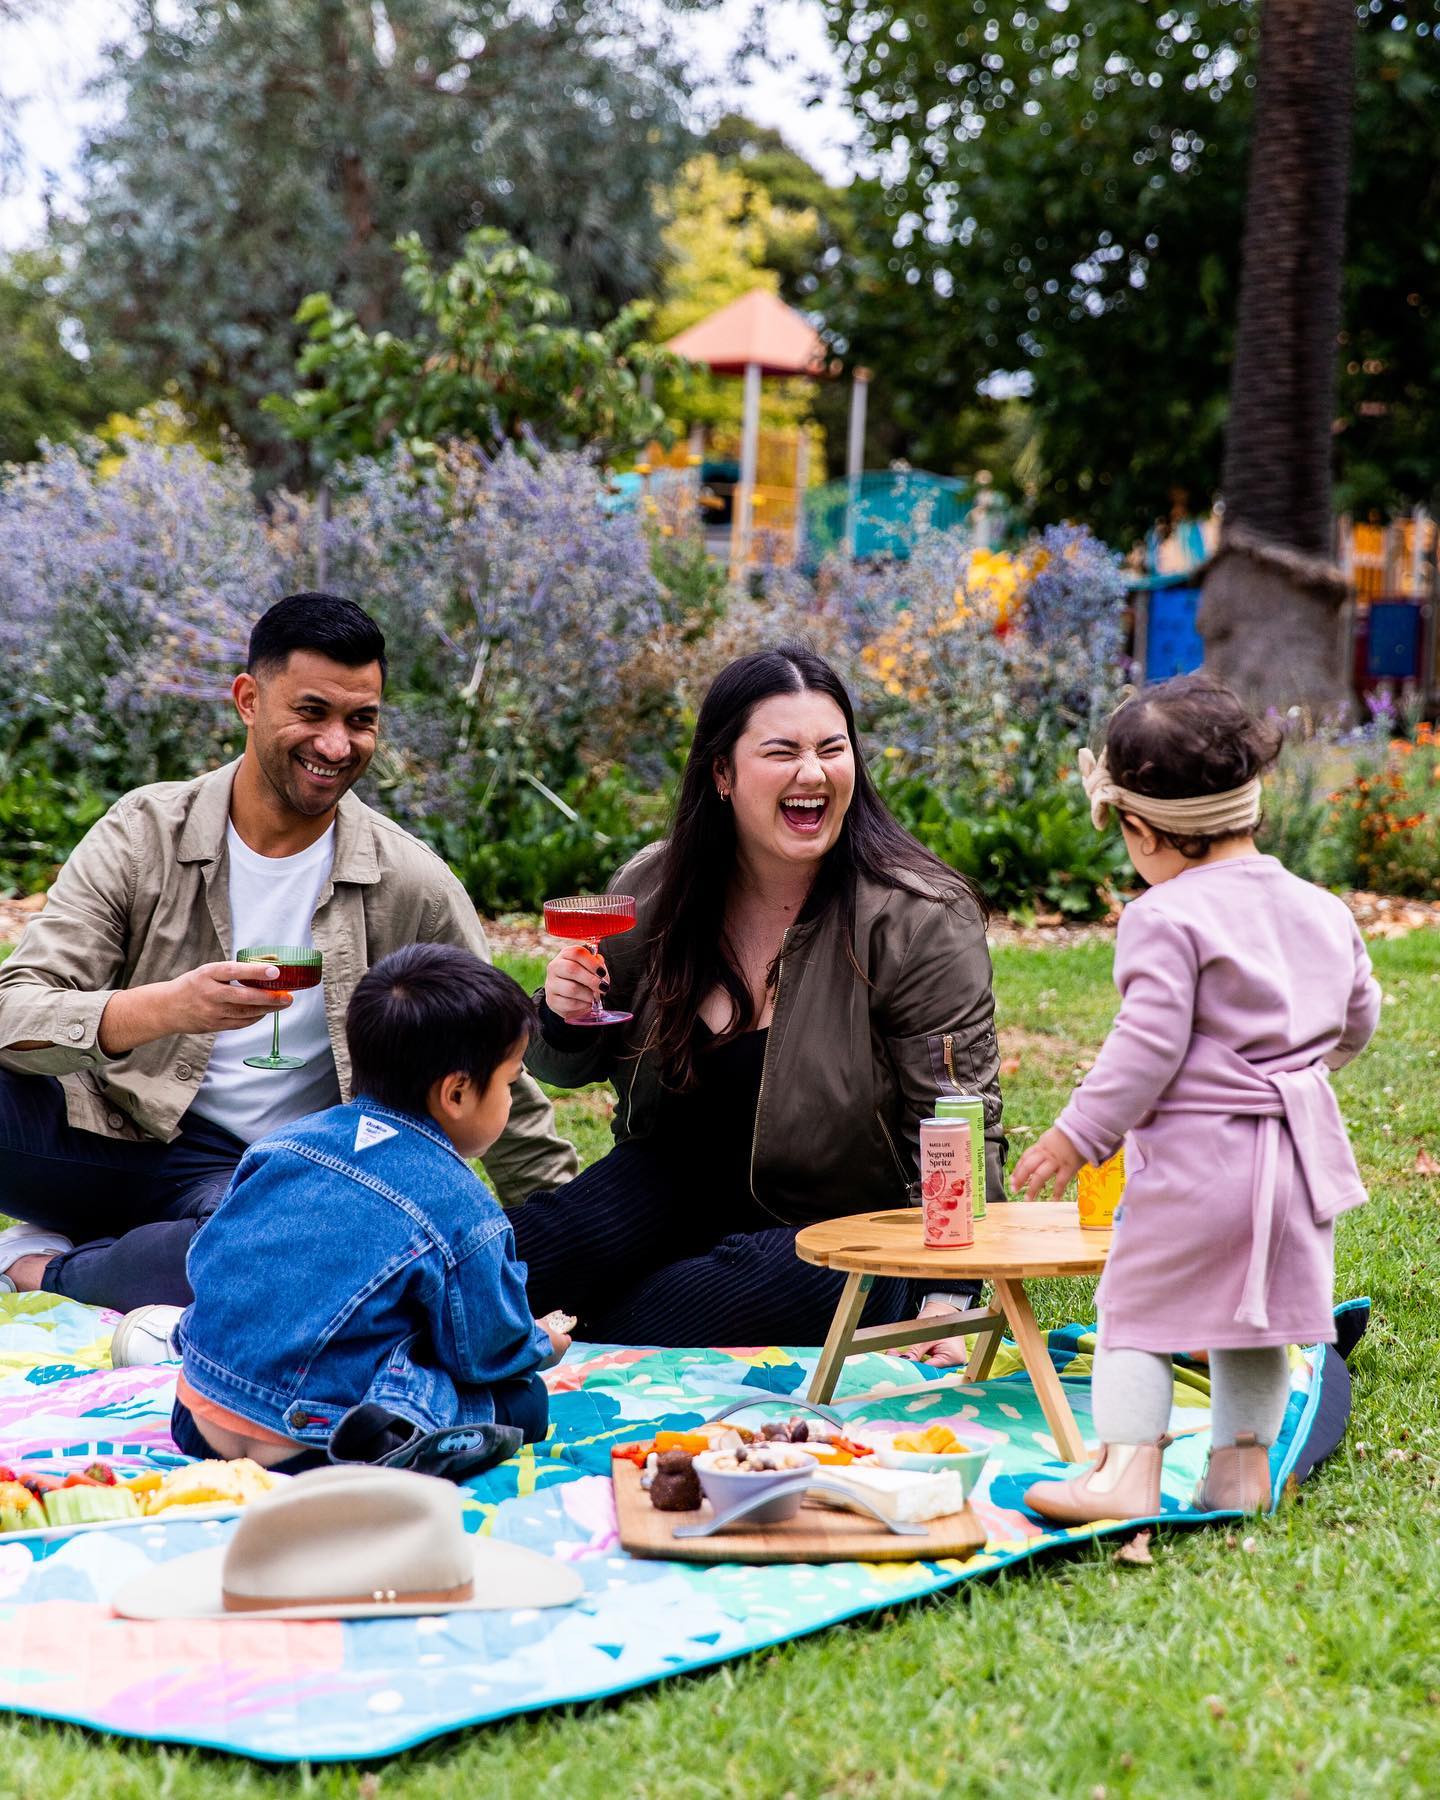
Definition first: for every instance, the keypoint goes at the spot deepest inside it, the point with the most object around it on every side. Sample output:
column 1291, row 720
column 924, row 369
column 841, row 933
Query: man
column 126, row 1097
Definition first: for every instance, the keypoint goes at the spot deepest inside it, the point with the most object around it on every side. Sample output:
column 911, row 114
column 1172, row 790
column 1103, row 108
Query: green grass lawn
column 1297, row 1658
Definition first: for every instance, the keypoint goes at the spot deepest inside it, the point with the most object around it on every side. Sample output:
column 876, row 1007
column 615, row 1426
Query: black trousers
column 642, row 1254
column 129, row 1209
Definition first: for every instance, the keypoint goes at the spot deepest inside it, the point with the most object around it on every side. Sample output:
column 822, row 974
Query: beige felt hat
column 350, row 1543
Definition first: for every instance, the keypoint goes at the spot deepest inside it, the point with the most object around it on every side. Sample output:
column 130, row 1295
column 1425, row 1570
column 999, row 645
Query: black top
column 713, row 1123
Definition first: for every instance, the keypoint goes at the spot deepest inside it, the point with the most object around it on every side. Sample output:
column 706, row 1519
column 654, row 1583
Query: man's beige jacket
column 145, row 897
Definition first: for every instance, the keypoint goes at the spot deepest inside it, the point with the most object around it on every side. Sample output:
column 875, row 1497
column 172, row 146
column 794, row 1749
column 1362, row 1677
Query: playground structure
column 1394, row 582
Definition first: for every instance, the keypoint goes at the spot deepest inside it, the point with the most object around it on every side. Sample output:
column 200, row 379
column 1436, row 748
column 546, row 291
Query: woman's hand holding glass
column 575, row 982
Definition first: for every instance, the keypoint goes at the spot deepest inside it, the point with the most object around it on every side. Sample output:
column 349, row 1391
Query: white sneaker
column 145, row 1337
column 27, row 1240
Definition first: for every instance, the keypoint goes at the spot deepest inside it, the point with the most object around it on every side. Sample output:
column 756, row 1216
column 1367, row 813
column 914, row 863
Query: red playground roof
column 757, row 328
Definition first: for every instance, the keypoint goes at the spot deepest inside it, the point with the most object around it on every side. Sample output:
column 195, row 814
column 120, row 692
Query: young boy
column 357, row 1293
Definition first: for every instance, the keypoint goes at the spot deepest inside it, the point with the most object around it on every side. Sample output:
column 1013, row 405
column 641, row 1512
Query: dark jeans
column 523, row 1402
column 129, row 1209
column 642, row 1255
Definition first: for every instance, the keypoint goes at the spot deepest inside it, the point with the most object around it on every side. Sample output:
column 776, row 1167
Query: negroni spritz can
column 946, row 1185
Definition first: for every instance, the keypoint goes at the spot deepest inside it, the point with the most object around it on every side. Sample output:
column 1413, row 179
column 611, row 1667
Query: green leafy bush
column 1026, row 852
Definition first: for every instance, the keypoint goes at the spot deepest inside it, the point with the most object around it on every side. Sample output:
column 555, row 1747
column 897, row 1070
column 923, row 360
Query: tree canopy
column 491, row 356
column 268, row 151
column 1057, row 212
column 55, row 385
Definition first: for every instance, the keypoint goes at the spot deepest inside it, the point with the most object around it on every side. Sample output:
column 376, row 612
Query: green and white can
column 970, row 1108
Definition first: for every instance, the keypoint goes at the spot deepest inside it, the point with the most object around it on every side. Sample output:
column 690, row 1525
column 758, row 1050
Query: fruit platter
column 798, row 1490
column 35, row 1505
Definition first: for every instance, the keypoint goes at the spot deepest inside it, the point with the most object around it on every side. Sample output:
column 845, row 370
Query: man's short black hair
column 428, row 1011
column 324, row 623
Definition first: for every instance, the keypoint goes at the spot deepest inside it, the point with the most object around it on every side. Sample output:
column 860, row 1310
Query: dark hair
column 324, row 623
column 687, row 952
column 428, row 1011
column 1187, row 737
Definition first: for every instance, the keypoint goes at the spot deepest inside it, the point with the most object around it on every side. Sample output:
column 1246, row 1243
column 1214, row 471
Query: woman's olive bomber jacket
column 851, row 1065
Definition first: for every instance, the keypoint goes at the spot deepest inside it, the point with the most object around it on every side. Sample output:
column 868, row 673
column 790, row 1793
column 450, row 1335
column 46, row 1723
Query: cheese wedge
column 908, row 1496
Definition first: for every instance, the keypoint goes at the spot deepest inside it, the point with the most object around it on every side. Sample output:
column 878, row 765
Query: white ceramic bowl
column 967, row 1464
column 725, row 1488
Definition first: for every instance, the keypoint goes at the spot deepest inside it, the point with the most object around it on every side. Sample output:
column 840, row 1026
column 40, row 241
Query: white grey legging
column 1132, row 1389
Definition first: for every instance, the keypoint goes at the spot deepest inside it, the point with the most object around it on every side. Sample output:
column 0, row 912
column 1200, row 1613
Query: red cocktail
column 295, row 968
column 586, row 919
column 290, row 980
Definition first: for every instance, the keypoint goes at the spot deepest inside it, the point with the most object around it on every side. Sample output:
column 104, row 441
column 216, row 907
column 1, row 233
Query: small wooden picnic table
column 1015, row 1242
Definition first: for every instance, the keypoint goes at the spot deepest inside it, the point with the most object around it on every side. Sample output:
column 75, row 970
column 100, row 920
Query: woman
column 805, row 977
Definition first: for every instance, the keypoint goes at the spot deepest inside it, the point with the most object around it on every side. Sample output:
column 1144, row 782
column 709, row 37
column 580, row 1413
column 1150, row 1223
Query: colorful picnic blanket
column 281, row 1690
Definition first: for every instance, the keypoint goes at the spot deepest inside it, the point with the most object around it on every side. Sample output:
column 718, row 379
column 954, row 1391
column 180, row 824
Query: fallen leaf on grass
column 1136, row 1552
column 1009, row 1065
column 1426, row 1164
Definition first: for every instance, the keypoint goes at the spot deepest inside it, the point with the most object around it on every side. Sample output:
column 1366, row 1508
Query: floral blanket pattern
column 283, row 1691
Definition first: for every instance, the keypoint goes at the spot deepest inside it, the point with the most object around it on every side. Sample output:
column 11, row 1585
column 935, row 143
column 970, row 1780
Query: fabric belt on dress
column 1216, row 1079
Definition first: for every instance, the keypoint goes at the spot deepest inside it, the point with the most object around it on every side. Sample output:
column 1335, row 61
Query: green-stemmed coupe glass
column 297, row 968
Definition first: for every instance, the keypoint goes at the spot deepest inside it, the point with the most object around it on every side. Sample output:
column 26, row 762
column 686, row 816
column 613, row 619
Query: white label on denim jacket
column 372, row 1131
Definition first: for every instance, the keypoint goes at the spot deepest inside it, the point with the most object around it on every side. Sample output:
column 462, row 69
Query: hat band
column 240, row 1603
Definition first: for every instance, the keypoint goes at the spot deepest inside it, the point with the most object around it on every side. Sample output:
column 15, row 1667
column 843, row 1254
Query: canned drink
column 970, row 1108
column 1100, row 1191
column 946, row 1184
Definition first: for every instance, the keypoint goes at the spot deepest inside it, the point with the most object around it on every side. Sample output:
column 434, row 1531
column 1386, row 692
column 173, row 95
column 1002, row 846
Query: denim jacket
column 355, row 1257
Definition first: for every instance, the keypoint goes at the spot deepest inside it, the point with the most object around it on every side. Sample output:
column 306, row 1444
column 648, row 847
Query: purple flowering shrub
column 547, row 656
column 126, row 597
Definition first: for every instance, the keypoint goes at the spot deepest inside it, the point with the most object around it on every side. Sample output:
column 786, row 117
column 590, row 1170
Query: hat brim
column 508, row 1577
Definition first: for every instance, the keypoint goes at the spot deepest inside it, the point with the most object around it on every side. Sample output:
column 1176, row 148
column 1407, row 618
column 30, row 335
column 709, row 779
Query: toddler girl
column 1241, row 987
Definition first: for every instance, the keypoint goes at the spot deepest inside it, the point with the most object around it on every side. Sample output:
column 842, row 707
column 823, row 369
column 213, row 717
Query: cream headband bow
column 1202, row 815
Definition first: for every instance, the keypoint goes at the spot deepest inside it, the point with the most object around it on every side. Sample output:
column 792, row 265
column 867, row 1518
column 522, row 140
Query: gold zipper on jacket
column 765, row 1064
column 947, row 1051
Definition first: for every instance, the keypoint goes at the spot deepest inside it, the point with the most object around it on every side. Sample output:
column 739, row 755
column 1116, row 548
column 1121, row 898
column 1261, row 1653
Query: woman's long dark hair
column 688, row 954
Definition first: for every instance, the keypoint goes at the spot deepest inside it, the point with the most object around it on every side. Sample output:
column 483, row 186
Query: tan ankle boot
column 1236, row 1478
column 1122, row 1483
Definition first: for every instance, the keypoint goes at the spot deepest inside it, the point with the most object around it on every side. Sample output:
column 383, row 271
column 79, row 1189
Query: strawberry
column 101, row 1472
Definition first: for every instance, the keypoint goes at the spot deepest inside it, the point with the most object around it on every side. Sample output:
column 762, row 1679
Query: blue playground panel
column 1173, row 643
column 1393, row 640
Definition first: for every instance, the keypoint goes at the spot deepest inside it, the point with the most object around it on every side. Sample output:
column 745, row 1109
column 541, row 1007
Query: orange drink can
column 1100, row 1191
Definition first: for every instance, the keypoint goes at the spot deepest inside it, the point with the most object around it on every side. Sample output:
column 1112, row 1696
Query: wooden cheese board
column 817, row 1534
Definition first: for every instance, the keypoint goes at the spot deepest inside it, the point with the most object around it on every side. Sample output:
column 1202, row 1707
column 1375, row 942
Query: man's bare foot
column 27, row 1272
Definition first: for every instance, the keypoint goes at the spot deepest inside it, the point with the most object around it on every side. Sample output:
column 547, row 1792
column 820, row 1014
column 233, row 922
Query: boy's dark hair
column 325, row 623
column 1186, row 737
column 428, row 1011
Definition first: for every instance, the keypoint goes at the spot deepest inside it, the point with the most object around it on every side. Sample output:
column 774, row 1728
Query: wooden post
column 749, row 461
column 855, row 453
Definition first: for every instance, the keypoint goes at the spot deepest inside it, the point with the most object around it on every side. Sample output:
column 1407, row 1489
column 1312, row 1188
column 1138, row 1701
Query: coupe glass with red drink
column 296, row 968
column 585, row 919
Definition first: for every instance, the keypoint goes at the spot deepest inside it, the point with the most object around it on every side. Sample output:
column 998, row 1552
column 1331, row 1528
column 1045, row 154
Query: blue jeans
column 130, row 1209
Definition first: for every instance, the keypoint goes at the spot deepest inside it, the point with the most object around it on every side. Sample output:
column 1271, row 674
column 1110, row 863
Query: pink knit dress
column 1241, row 987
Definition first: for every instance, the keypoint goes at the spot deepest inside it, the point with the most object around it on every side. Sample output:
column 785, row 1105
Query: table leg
column 983, row 1347
column 837, row 1341
column 1030, row 1341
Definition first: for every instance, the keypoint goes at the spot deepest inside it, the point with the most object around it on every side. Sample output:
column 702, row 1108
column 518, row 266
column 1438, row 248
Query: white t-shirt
column 272, row 901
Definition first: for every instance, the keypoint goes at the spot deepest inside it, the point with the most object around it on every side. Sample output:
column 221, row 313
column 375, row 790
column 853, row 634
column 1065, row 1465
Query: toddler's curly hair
column 1189, row 736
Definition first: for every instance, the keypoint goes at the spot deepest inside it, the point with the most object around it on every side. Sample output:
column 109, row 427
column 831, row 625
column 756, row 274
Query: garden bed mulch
column 520, row 934
column 1378, row 916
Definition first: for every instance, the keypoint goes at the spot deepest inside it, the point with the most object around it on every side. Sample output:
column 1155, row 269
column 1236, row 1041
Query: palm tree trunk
column 1271, row 609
